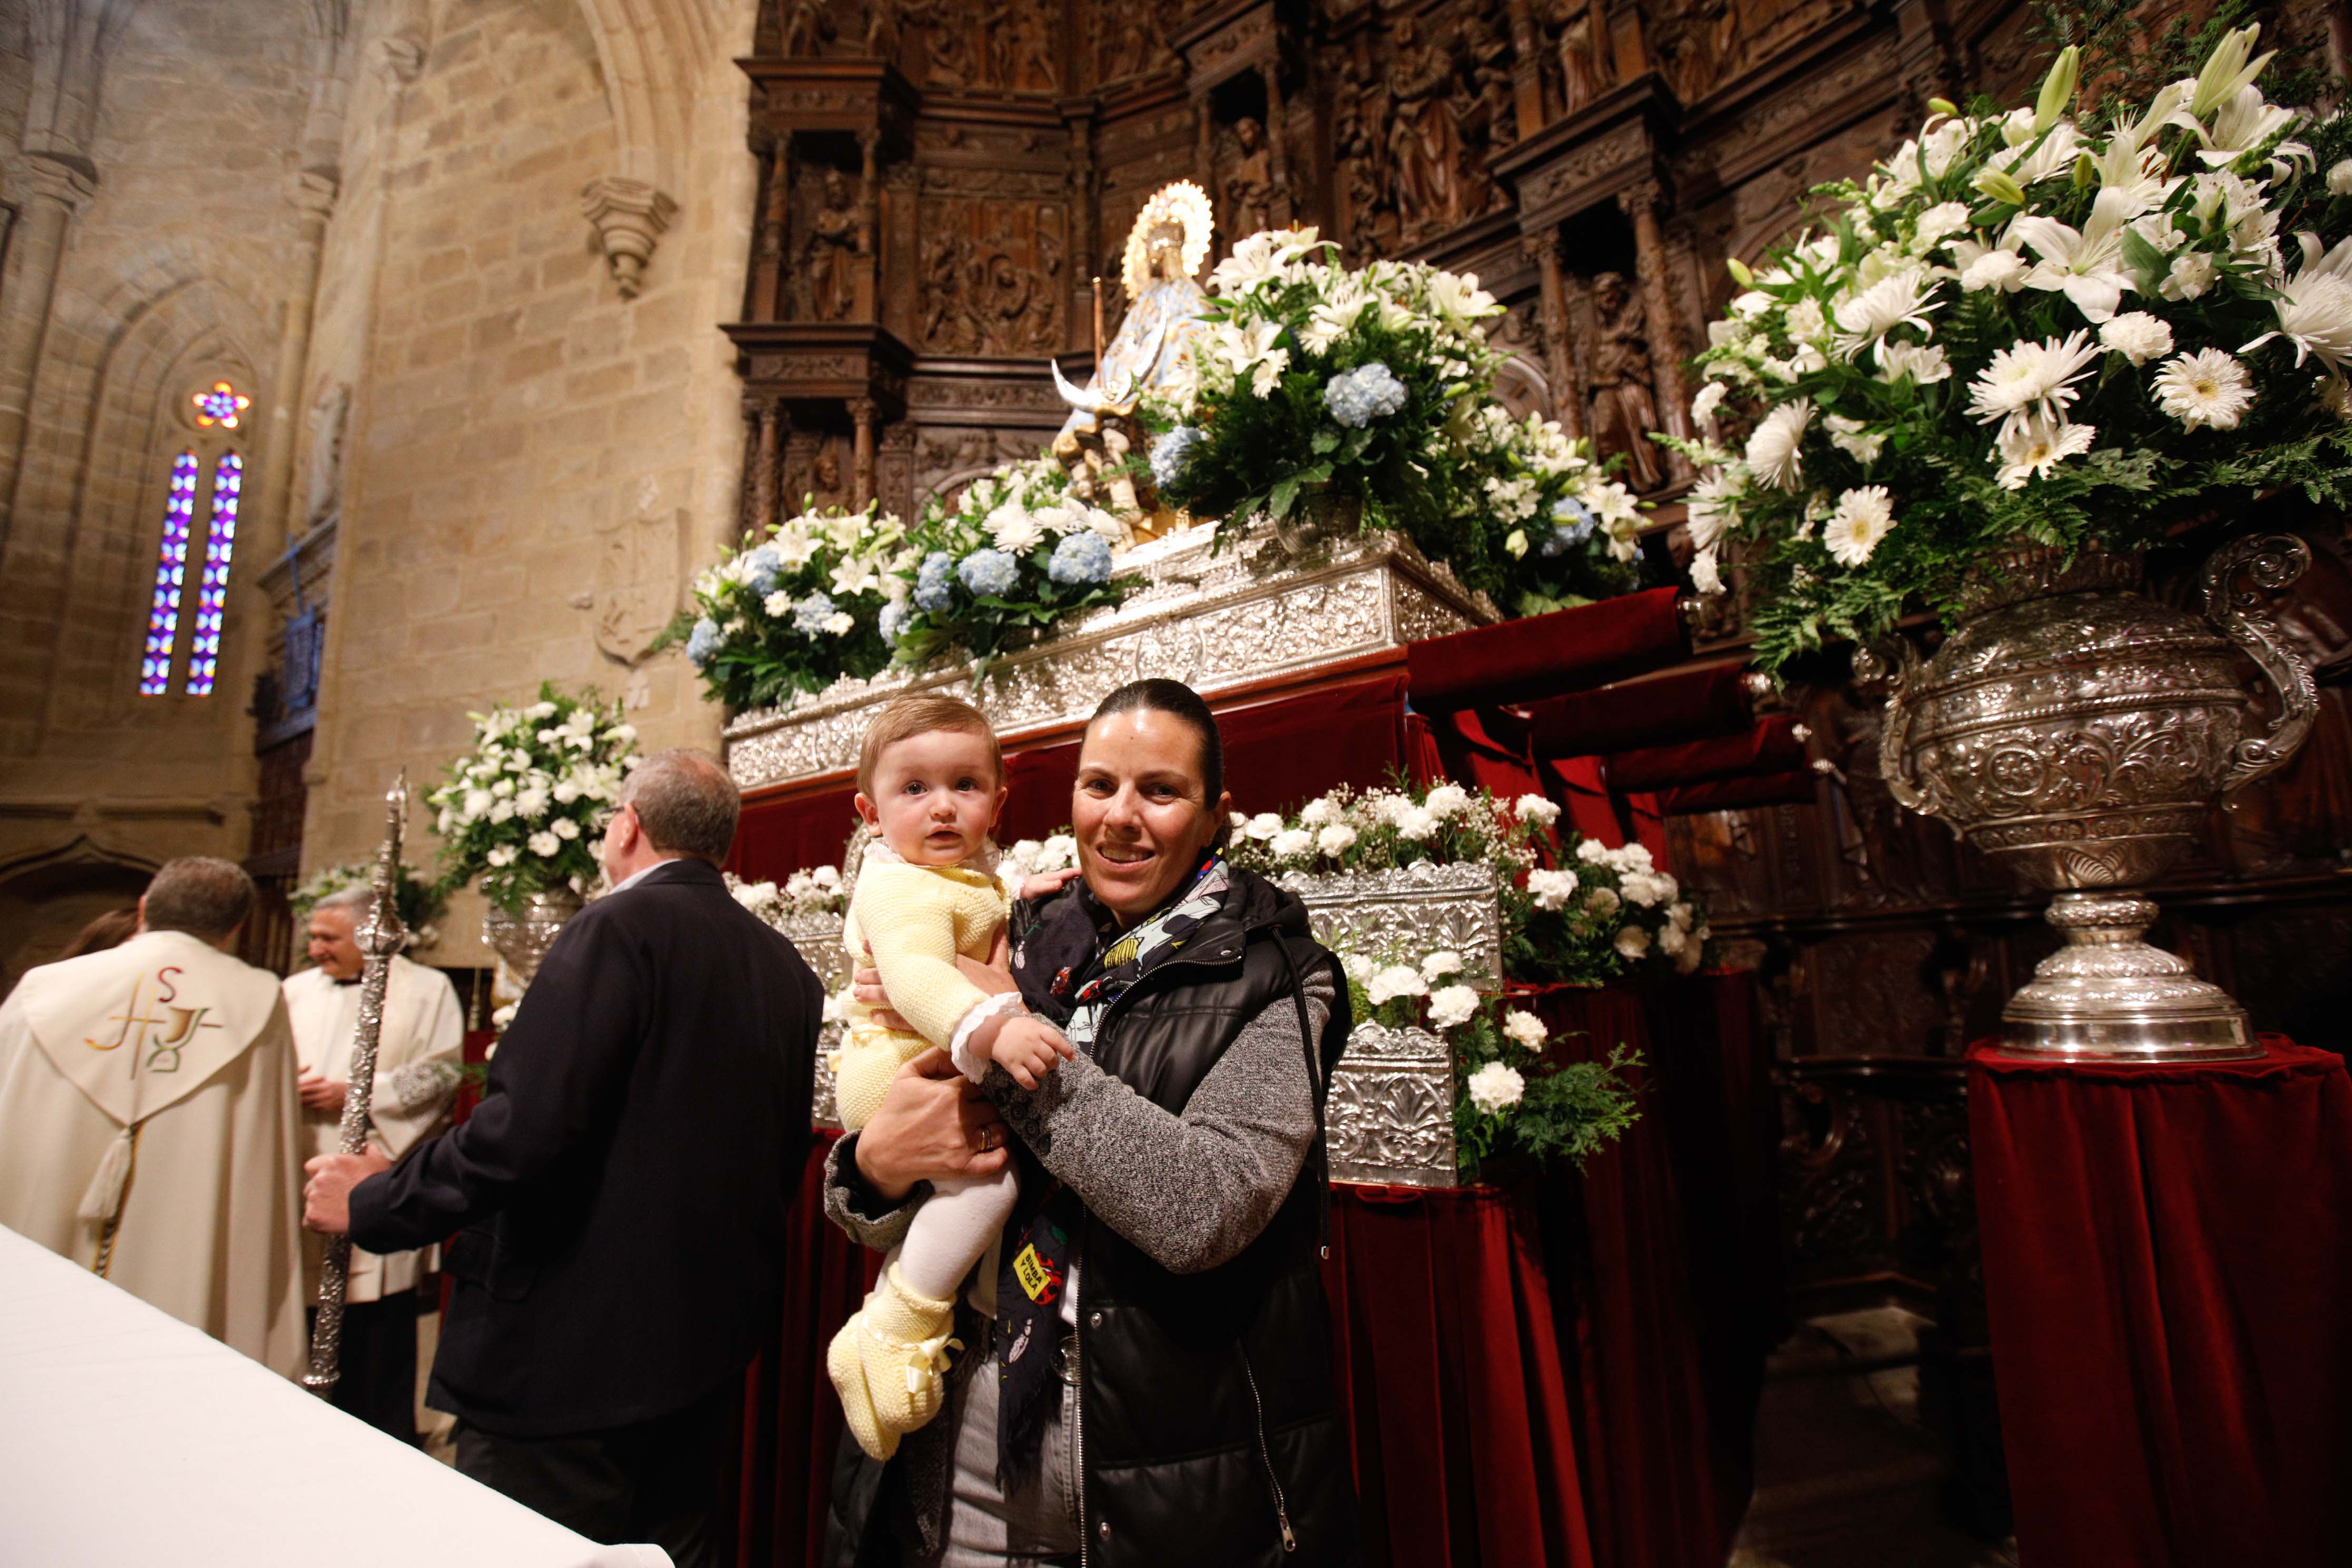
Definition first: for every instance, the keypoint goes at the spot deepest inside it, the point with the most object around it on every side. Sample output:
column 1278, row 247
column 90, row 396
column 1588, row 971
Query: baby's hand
column 1049, row 884
column 1029, row 1048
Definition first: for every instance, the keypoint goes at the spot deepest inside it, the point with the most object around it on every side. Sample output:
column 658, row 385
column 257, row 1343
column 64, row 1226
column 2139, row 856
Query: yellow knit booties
column 886, row 1362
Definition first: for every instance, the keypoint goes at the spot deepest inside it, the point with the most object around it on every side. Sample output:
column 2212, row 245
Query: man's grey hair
column 198, row 894
column 359, row 901
column 686, row 803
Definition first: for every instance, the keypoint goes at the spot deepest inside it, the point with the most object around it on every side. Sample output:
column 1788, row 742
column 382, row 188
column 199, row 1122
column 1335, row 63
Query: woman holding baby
column 1138, row 1370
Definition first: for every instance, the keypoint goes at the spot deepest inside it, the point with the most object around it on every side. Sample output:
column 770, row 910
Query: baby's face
column 935, row 796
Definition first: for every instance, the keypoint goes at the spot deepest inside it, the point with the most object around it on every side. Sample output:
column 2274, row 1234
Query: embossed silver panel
column 819, row 939
column 1213, row 621
column 1404, row 916
column 1390, row 1115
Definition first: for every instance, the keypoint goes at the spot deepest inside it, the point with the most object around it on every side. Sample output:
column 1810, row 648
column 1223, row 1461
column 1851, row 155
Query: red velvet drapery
column 2167, row 1257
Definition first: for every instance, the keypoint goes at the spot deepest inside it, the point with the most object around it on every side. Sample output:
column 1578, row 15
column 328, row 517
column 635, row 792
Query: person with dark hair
column 148, row 1128
column 622, row 1192
column 110, row 930
column 1147, row 1376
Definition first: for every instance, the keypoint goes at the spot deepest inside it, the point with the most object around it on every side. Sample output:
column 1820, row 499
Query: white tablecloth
column 127, row 1438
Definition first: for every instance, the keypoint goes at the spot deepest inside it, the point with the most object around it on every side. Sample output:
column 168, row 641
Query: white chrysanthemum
column 2026, row 377
column 2136, row 335
column 1440, row 965
column 841, row 623
column 1552, row 889
column 1524, row 1029
column 2029, row 448
column 1534, row 811
column 1712, row 507
column 1292, row 844
column 1335, row 839
column 1395, row 980
column 1632, row 941
column 1773, row 451
column 1854, row 438
column 2314, row 314
column 545, row 844
column 1863, row 518
column 2208, row 388
column 1495, row 1088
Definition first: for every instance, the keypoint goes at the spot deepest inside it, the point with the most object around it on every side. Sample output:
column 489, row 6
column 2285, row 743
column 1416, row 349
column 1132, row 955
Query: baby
column 930, row 783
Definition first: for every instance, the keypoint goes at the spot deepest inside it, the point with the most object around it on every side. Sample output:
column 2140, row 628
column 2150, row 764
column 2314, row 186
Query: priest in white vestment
column 148, row 1128
column 418, row 1058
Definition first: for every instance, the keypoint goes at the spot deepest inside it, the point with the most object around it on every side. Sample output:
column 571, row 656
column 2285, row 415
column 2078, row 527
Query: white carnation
column 1396, row 980
column 1336, row 841
column 1415, row 823
column 1445, row 800
column 1263, row 827
column 1534, row 811
column 1441, row 963
column 1320, row 812
column 1552, row 889
column 2136, row 335
column 1524, row 1028
column 1603, row 902
column 1633, row 942
column 1451, row 1006
column 1293, row 844
column 1495, row 1088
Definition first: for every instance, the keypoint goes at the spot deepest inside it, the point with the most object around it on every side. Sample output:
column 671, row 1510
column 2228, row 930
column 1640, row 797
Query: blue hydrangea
column 989, row 572
column 1172, row 451
column 1572, row 524
column 767, row 570
column 1080, row 558
column 1368, row 392
column 933, row 587
column 895, row 617
column 810, row 614
column 702, row 645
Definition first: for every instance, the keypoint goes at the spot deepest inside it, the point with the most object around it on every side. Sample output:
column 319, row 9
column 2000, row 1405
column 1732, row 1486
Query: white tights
column 952, row 1229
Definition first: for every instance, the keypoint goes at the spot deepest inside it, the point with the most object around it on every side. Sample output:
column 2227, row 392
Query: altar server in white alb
column 417, row 1061
column 149, row 1129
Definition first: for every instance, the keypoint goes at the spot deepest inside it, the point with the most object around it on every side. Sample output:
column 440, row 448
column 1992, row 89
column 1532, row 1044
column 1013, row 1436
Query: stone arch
column 48, row 895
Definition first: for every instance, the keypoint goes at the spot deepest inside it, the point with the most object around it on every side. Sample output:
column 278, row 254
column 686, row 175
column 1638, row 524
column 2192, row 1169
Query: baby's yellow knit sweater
column 916, row 918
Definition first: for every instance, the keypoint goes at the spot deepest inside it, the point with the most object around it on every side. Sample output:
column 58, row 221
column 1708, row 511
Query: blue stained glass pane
column 212, row 594
column 163, row 608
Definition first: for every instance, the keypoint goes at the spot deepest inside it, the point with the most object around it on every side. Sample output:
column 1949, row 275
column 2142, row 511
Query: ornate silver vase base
column 2107, row 996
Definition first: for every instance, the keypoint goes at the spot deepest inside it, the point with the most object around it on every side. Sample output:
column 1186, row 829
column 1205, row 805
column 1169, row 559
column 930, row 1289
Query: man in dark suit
column 620, row 1194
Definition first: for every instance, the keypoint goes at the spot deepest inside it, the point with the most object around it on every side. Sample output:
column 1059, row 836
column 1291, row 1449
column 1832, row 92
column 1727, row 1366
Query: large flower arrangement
column 418, row 903
column 1603, row 914
column 2021, row 328
column 523, row 809
column 796, row 610
column 1016, row 554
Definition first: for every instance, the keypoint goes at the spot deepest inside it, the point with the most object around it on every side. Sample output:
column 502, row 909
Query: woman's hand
column 932, row 1125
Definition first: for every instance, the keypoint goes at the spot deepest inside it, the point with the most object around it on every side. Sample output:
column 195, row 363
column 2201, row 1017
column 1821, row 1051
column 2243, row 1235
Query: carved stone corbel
column 629, row 217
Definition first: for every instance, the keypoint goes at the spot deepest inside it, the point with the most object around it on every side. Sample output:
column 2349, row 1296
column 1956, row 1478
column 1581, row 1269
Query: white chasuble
column 149, row 1131
column 418, row 1057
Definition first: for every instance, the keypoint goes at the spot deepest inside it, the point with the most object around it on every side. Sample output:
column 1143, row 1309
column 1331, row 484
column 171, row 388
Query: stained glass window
column 220, row 405
column 212, row 597
column 171, row 570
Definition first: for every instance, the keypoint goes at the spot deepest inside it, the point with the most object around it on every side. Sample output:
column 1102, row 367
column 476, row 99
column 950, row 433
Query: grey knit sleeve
column 1193, row 1190
column 857, row 1209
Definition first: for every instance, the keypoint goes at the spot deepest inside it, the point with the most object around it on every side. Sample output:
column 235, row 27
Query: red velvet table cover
column 2167, row 1257
column 1769, row 746
column 1691, row 703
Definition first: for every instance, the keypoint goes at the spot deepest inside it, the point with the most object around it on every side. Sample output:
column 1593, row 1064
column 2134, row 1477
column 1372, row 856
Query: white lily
column 2087, row 265
column 2227, row 69
column 2240, row 125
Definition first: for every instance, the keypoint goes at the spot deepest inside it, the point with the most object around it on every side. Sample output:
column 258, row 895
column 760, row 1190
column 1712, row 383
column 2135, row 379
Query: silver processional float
column 380, row 939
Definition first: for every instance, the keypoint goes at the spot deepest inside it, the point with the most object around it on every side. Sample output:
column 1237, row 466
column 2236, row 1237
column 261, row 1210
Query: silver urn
column 2079, row 732
column 522, row 937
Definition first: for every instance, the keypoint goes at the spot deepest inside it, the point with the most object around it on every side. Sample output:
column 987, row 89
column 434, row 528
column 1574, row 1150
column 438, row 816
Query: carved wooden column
column 747, row 497
column 767, row 471
column 1639, row 203
column 869, row 199
column 768, row 276
column 1204, row 161
column 1567, row 400
column 861, row 415
column 1527, row 69
column 1284, row 212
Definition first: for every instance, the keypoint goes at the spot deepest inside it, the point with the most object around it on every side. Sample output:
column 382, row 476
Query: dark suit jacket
column 623, row 1188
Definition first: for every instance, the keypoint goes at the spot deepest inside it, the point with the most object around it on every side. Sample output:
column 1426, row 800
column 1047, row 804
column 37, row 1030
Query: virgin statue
column 1165, row 247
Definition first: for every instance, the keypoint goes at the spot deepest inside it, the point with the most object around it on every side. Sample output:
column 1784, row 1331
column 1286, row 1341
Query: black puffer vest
column 1209, row 1427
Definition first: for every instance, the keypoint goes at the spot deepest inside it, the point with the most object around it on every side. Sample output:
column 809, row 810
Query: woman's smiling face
column 1138, row 809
